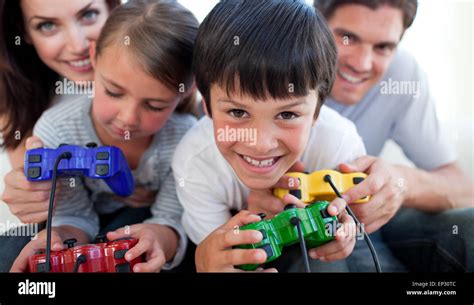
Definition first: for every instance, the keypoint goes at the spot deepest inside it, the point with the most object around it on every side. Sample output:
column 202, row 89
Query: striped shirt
column 79, row 203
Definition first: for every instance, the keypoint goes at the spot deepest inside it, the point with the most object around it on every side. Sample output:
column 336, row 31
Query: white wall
column 441, row 38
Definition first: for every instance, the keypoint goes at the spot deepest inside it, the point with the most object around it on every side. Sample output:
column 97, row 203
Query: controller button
column 296, row 193
column 290, row 206
column 119, row 254
column 63, row 144
column 91, row 145
column 41, row 267
column 70, row 242
column 357, row 180
column 34, row 172
column 264, row 234
column 34, row 158
column 123, row 268
column 268, row 250
column 325, row 214
column 100, row 239
column 102, row 155
column 102, row 169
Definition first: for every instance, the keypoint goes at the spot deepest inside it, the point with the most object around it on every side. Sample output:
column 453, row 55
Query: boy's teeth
column 263, row 163
column 81, row 63
column 350, row 78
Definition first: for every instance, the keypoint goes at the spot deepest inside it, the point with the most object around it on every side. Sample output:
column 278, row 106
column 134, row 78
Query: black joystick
column 290, row 206
column 63, row 144
column 70, row 242
column 100, row 239
column 262, row 215
column 91, row 145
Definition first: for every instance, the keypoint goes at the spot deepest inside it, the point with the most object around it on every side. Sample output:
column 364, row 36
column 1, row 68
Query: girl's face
column 61, row 32
column 129, row 104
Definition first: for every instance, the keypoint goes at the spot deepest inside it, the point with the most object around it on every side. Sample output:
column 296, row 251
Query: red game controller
column 103, row 256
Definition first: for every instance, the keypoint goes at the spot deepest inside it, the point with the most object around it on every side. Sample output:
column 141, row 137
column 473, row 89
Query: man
column 367, row 34
column 433, row 231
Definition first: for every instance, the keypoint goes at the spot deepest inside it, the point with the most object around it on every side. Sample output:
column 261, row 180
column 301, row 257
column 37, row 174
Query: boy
column 263, row 69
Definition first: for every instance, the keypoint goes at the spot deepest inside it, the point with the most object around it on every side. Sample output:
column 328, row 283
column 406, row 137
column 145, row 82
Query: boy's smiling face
column 281, row 129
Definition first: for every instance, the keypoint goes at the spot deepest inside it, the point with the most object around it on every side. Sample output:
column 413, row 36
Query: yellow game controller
column 313, row 187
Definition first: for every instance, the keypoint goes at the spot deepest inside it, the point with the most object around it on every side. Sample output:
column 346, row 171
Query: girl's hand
column 159, row 243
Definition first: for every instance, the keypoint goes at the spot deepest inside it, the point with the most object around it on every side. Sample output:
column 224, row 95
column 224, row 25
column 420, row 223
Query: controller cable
column 297, row 222
column 65, row 155
column 328, row 179
column 81, row 259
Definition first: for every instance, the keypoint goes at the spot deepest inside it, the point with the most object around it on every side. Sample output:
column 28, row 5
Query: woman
column 43, row 47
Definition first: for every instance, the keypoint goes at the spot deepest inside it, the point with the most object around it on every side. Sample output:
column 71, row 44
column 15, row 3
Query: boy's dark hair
column 408, row 7
column 275, row 48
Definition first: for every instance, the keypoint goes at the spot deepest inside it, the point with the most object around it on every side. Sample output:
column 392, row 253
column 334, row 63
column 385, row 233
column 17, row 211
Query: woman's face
column 61, row 32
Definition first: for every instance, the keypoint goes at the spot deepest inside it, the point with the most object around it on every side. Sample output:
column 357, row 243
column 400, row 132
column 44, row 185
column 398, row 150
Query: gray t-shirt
column 401, row 108
column 79, row 206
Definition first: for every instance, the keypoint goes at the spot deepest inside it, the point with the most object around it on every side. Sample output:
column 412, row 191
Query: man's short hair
column 408, row 7
column 276, row 48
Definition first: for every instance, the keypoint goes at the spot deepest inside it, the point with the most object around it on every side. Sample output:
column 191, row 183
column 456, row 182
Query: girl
column 144, row 95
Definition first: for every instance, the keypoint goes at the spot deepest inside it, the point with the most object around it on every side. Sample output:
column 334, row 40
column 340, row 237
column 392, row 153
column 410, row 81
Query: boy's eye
column 287, row 115
column 90, row 16
column 238, row 113
column 112, row 94
column 46, row 27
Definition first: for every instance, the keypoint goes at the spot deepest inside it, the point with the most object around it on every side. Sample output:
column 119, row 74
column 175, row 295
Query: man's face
column 261, row 139
column 366, row 40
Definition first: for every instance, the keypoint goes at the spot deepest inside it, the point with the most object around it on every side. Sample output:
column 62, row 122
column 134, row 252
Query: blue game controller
column 105, row 162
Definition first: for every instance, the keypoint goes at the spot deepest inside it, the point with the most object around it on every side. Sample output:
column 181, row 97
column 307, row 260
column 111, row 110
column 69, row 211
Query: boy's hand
column 158, row 242
column 39, row 243
column 215, row 253
column 386, row 185
column 27, row 200
column 263, row 201
column 344, row 242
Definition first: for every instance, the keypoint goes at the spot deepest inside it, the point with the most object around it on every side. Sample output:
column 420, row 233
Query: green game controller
column 317, row 228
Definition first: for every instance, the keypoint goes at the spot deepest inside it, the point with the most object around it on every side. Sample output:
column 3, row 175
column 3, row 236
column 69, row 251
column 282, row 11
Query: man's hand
column 385, row 183
column 27, row 200
column 158, row 242
column 263, row 201
column 215, row 253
